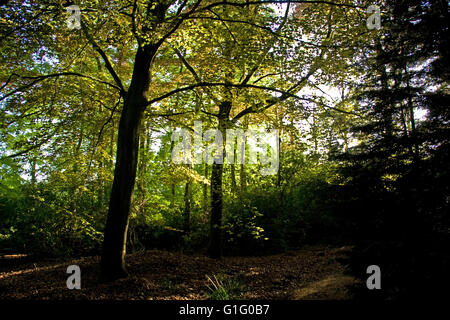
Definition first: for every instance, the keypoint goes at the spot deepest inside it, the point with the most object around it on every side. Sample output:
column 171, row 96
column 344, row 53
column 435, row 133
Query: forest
column 224, row 149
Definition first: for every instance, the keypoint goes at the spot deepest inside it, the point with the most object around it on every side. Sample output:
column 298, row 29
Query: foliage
column 397, row 169
column 44, row 223
column 224, row 288
column 362, row 117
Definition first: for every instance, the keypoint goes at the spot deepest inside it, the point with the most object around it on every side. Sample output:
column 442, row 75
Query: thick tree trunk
column 215, row 246
column 114, row 246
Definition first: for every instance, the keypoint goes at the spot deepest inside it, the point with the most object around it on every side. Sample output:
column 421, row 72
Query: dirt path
column 310, row 273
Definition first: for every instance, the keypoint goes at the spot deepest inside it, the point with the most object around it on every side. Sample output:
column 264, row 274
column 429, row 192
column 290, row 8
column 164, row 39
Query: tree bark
column 142, row 169
column 205, row 192
column 33, row 171
column 215, row 246
column 242, row 173
column 233, row 172
column 187, row 207
column 172, row 185
column 112, row 263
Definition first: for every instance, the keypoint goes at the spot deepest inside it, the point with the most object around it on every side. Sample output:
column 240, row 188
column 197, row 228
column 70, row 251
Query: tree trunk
column 114, row 245
column 205, row 192
column 187, row 207
column 242, row 173
column 33, row 170
column 233, row 172
column 215, row 247
column 172, row 185
column 142, row 169
column 411, row 118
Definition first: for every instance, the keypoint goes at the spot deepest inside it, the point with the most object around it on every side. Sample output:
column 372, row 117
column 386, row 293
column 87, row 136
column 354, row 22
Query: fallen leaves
column 310, row 273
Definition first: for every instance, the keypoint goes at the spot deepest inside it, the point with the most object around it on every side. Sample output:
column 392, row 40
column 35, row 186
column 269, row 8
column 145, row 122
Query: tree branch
column 181, row 18
column 194, row 73
column 248, row 3
column 37, row 79
column 266, row 51
column 284, row 95
column 105, row 58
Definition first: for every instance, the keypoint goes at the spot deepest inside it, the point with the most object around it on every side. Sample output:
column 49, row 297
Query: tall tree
column 397, row 173
column 120, row 50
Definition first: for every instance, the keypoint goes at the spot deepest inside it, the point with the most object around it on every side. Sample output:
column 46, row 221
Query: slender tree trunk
column 101, row 186
column 345, row 138
column 187, row 207
column 243, row 178
column 142, row 168
column 315, row 134
column 242, row 173
column 142, row 159
column 33, row 171
column 110, row 162
column 406, row 134
column 172, row 192
column 279, row 165
column 205, row 192
column 114, row 246
column 411, row 117
column 172, row 185
column 233, row 172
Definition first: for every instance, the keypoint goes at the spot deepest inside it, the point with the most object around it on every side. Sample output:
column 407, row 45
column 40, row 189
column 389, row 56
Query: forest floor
column 310, row 273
